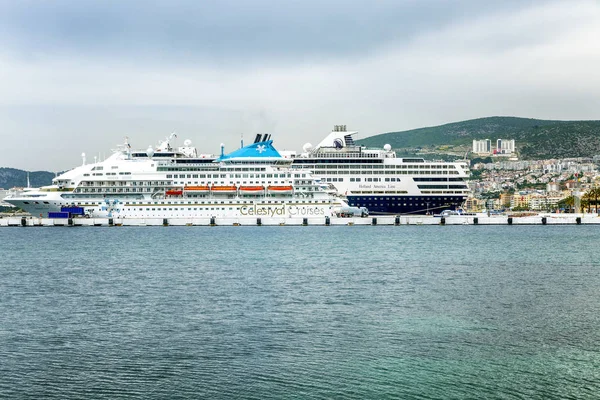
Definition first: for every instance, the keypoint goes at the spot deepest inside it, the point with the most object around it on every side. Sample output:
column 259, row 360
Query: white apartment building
column 503, row 146
column 482, row 146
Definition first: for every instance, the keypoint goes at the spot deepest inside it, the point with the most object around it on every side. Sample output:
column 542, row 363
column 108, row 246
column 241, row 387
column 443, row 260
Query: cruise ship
column 167, row 182
column 380, row 181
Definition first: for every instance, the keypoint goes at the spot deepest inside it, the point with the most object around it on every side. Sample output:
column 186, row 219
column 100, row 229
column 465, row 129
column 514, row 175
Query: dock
column 380, row 220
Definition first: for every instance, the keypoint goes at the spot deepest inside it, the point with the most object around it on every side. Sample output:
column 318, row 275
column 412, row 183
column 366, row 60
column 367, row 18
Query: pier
column 381, row 220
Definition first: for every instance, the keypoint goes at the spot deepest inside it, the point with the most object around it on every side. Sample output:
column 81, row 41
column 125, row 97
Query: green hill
column 534, row 138
column 10, row 177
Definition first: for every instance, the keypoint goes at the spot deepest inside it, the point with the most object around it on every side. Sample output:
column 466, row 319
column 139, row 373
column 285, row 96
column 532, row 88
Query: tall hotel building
column 482, row 146
column 503, row 146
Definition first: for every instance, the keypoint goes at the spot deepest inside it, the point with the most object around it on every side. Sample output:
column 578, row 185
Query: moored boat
column 288, row 189
column 224, row 189
column 177, row 183
column 252, row 190
column 379, row 180
column 197, row 189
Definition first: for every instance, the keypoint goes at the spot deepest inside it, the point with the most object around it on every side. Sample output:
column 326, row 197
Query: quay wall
column 387, row 220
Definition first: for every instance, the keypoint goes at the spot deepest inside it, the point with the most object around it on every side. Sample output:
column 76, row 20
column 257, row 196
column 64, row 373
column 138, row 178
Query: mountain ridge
column 534, row 138
column 12, row 177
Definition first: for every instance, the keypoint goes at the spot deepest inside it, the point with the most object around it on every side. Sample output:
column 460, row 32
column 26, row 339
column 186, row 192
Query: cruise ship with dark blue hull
column 380, row 181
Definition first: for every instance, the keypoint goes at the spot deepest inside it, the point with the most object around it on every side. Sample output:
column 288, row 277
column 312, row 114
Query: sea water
column 406, row 312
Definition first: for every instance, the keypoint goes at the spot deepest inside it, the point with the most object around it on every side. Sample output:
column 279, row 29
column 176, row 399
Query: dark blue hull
column 422, row 204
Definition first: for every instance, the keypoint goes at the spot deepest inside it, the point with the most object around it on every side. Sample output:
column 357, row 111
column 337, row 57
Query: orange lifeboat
column 224, row 189
column 252, row 189
column 197, row 189
column 280, row 189
column 174, row 192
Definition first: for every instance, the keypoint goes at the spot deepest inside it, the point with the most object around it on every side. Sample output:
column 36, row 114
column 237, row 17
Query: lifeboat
column 252, row 189
column 174, row 192
column 280, row 189
column 224, row 189
column 197, row 189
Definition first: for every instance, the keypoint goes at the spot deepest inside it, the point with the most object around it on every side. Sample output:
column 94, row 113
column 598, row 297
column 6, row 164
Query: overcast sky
column 78, row 76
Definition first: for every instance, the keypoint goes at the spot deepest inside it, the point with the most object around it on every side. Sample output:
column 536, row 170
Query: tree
column 567, row 203
column 591, row 197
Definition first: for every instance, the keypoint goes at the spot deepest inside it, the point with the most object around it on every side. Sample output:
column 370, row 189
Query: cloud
column 222, row 32
column 102, row 71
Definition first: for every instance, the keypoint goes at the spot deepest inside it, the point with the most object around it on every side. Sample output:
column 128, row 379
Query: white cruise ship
column 253, row 181
column 380, row 181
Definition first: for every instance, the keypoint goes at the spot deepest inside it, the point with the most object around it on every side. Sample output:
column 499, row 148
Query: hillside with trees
column 11, row 177
column 535, row 139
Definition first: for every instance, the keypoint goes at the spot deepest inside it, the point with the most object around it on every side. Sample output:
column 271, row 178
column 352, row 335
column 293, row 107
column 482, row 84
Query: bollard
column 304, row 221
column 70, row 221
column 213, row 221
column 258, row 221
column 544, row 220
column 110, row 221
column 475, row 221
column 23, row 221
column 327, row 221
column 397, row 220
column 443, row 221
column 165, row 222
column 374, row 222
column 578, row 220
column 510, row 220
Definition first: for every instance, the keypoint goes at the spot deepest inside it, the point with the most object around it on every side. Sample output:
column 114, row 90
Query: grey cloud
column 95, row 72
column 231, row 31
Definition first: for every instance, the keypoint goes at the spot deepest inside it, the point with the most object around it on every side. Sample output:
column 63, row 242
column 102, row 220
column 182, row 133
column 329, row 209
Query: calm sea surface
column 408, row 312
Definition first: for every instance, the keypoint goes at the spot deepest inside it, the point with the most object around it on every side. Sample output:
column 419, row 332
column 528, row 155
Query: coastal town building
column 503, row 147
column 538, row 185
column 552, row 187
column 482, row 146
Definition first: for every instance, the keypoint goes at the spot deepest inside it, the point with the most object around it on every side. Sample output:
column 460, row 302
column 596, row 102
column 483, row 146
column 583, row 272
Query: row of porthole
column 392, row 199
column 392, row 205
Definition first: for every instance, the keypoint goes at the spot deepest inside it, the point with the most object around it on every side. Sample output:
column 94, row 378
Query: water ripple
column 300, row 313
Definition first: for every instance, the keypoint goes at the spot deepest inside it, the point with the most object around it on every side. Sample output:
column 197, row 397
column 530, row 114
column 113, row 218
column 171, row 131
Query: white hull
column 181, row 208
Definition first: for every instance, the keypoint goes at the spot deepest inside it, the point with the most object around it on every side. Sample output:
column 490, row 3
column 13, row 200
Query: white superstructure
column 380, row 181
column 253, row 181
